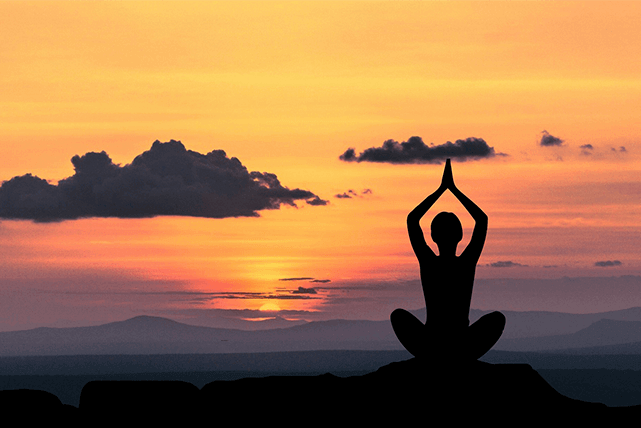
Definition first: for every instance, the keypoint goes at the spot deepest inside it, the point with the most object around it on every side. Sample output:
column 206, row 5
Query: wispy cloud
column 303, row 290
column 307, row 278
column 608, row 263
column 353, row 194
column 505, row 264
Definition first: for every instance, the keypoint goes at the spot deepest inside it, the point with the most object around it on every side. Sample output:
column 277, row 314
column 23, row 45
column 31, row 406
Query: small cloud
column 621, row 149
column 317, row 201
column 303, row 290
column 352, row 194
column 586, row 149
column 548, row 140
column 608, row 263
column 346, row 195
column 349, row 155
column 505, row 264
column 415, row 151
column 321, row 281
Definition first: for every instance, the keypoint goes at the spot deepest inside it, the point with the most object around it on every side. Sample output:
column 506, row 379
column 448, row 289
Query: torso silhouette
column 447, row 287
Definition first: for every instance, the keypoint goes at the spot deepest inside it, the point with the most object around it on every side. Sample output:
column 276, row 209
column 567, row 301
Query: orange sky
column 286, row 87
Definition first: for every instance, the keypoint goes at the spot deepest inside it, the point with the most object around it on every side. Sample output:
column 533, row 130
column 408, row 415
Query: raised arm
column 475, row 247
column 417, row 239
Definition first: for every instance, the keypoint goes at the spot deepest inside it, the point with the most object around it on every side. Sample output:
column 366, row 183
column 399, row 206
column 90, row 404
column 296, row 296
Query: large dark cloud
column 165, row 180
column 415, row 150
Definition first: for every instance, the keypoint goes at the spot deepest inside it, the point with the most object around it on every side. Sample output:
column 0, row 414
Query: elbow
column 412, row 218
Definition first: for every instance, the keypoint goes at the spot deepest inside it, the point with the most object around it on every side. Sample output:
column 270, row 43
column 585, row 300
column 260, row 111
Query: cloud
column 346, row 195
column 622, row 149
column 415, row 150
column 303, row 290
column 505, row 264
column 352, row 194
column 586, row 149
column 608, row 263
column 254, row 296
column 548, row 140
column 317, row 201
column 307, row 278
column 165, row 180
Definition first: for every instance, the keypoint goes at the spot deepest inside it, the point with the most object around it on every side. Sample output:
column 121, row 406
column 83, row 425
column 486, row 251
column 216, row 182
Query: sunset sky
column 287, row 88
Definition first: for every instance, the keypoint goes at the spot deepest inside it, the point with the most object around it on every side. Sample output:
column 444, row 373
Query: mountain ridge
column 148, row 334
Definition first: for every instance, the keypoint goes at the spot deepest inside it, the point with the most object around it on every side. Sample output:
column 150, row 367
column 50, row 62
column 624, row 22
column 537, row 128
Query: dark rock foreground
column 404, row 391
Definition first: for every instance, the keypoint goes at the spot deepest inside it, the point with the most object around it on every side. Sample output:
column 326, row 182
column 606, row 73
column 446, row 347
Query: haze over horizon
column 259, row 159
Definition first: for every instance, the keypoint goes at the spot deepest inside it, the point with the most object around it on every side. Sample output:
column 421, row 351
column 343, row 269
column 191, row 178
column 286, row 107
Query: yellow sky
column 287, row 87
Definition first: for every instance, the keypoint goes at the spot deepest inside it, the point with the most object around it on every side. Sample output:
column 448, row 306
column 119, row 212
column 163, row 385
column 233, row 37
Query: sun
column 269, row 307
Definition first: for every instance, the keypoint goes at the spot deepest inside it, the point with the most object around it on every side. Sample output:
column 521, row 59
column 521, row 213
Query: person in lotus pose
column 447, row 281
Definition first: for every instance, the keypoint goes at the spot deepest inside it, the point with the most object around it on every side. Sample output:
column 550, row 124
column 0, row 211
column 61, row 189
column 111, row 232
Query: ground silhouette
column 400, row 392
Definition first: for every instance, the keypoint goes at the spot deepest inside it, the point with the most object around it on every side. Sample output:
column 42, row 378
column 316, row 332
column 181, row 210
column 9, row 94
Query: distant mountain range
column 600, row 333
column 155, row 335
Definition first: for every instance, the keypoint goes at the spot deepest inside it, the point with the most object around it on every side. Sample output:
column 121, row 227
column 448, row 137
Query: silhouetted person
column 447, row 286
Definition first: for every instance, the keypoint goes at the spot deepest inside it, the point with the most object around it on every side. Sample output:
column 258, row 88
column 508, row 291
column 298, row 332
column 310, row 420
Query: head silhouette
column 447, row 231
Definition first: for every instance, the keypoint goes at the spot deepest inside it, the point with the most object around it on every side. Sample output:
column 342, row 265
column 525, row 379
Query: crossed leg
column 484, row 334
column 424, row 342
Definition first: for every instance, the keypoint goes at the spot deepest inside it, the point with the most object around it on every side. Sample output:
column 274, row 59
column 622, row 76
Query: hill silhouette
column 601, row 333
column 157, row 335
